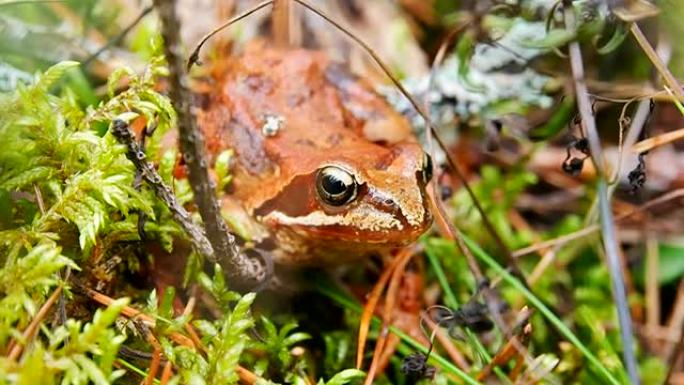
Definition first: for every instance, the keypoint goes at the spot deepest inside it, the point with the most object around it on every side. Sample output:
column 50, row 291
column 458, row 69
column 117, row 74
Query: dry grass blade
column 246, row 376
column 282, row 20
column 559, row 241
column 135, row 314
column 154, row 365
column 166, row 373
column 662, row 139
column 388, row 308
column 657, row 62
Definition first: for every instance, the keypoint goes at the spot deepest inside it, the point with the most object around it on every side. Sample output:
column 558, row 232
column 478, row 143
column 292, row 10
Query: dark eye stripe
column 426, row 172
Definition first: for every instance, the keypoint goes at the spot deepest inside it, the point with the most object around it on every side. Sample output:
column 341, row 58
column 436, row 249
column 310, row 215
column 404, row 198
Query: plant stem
column 607, row 224
column 241, row 270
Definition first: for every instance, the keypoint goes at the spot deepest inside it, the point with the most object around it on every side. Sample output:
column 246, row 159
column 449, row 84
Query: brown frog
column 325, row 170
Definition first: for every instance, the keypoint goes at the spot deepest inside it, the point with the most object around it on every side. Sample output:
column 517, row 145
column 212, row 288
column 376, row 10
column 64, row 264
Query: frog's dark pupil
column 333, row 185
column 336, row 186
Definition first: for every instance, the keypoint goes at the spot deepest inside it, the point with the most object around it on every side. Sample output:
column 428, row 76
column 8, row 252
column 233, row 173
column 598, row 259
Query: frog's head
column 354, row 204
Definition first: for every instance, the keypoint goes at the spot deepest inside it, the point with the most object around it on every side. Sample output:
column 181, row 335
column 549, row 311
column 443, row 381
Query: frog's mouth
column 367, row 222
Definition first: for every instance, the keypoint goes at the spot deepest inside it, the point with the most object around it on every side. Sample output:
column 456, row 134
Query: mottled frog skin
column 325, row 170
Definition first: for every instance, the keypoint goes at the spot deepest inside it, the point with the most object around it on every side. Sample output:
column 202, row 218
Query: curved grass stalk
column 451, row 301
column 348, row 303
column 545, row 311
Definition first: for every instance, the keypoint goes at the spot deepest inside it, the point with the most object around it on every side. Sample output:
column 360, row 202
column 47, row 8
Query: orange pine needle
column 154, row 366
column 32, row 328
column 369, row 308
column 166, row 373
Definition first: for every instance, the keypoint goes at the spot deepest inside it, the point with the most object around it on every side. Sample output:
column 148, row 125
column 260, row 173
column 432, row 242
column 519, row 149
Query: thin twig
column 447, row 344
column 607, row 224
column 116, row 40
column 428, row 122
column 242, row 271
column 194, row 56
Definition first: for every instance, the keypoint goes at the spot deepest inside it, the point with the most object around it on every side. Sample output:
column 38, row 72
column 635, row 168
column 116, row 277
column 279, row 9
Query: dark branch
column 118, row 38
column 136, row 154
column 241, row 270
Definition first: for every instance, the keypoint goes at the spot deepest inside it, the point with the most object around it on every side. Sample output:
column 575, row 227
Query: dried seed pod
column 637, row 177
column 415, row 366
column 573, row 166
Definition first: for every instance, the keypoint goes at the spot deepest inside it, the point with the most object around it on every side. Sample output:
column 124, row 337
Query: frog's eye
column 335, row 186
column 426, row 171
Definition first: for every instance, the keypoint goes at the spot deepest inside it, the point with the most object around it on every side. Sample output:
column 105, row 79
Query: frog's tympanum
column 325, row 168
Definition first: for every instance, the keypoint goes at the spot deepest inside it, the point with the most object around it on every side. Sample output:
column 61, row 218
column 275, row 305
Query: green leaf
column 561, row 116
column 618, row 36
column 54, row 73
column 345, row 377
column 671, row 263
column 554, row 38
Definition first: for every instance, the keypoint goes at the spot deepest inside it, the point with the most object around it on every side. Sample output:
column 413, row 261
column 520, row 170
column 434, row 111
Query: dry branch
column 241, row 270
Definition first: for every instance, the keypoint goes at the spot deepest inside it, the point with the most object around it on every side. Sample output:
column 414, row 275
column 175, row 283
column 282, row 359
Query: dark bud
column 573, row 166
column 481, row 325
column 637, row 177
column 474, row 315
column 482, row 284
column 582, row 145
column 415, row 366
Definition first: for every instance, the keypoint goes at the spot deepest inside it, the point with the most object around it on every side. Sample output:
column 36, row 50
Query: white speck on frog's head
column 272, row 124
